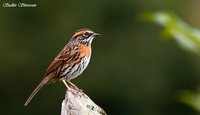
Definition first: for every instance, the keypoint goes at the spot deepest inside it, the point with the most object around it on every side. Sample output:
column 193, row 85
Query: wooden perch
column 78, row 103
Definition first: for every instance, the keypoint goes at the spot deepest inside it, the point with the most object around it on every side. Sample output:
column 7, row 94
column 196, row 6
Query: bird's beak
column 96, row 34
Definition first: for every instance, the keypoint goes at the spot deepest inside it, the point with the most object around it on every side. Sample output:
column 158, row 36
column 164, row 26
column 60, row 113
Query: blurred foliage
column 189, row 39
column 185, row 35
column 191, row 98
column 130, row 73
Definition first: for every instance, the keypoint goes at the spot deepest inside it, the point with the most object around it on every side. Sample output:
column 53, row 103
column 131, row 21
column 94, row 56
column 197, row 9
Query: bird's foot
column 77, row 92
column 74, row 86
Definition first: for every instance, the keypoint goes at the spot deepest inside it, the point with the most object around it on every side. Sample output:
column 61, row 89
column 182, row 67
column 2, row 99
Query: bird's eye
column 86, row 34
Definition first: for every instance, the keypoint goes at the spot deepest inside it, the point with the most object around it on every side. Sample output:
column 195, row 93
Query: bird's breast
column 75, row 70
column 78, row 65
column 85, row 51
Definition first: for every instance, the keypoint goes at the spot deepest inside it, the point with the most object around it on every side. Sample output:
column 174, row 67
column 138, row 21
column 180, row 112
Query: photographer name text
column 20, row 5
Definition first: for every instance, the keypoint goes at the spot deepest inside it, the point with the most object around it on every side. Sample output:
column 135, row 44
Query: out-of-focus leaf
column 191, row 98
column 186, row 36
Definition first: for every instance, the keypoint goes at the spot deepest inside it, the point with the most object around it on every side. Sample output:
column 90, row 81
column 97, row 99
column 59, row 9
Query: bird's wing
column 53, row 66
column 60, row 61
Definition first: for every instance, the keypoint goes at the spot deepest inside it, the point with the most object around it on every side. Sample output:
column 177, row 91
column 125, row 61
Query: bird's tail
column 42, row 83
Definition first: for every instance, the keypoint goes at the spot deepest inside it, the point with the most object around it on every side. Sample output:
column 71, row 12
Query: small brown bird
column 70, row 62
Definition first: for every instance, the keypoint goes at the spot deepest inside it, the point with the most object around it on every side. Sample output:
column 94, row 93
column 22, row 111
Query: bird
column 70, row 62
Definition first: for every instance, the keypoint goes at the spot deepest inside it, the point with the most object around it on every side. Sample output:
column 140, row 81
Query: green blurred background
column 132, row 71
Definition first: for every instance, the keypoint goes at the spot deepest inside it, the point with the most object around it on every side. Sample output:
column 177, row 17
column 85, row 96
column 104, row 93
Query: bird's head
column 84, row 36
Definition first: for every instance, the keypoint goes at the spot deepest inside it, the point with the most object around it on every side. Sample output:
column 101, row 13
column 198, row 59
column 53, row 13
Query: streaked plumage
column 70, row 62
